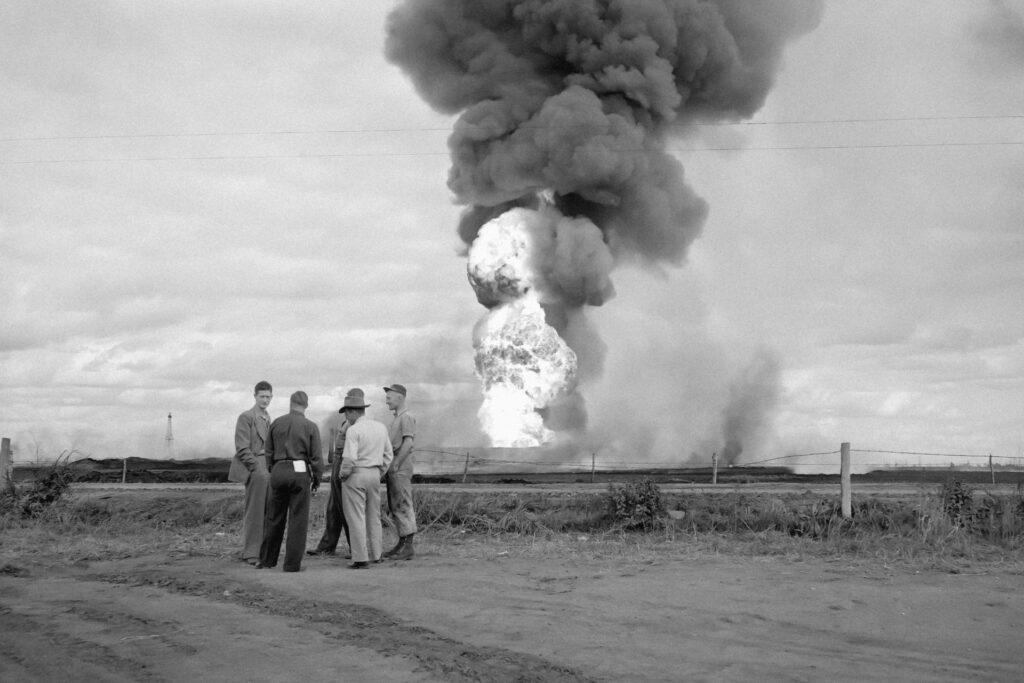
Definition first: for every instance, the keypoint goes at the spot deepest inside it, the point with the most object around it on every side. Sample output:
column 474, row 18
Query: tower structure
column 169, row 439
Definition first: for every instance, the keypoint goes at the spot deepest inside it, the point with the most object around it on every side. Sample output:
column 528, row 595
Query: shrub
column 637, row 505
column 957, row 502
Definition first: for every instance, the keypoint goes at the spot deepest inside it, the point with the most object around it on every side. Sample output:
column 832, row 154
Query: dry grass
column 911, row 535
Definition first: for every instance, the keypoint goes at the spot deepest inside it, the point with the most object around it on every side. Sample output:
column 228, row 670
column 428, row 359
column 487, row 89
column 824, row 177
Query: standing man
column 366, row 458
column 402, row 434
column 249, row 466
column 334, row 517
column 296, row 465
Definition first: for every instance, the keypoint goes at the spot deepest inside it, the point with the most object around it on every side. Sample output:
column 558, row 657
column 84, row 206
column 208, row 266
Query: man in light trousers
column 366, row 458
column 402, row 433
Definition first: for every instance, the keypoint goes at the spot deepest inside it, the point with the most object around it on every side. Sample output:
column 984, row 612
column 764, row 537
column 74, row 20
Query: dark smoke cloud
column 576, row 97
column 752, row 401
column 569, row 104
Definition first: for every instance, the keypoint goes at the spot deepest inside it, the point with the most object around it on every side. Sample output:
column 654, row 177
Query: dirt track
column 478, row 613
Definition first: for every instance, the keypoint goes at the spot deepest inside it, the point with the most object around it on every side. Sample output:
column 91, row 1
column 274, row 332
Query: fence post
column 465, row 470
column 124, row 470
column 714, row 467
column 991, row 469
column 844, row 479
column 6, row 465
column 592, row 456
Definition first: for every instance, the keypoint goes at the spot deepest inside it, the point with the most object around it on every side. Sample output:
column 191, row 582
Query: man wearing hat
column 296, row 465
column 334, row 516
column 366, row 458
column 402, row 433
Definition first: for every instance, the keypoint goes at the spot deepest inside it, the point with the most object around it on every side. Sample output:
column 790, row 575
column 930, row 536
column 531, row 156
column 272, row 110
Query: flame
column 521, row 361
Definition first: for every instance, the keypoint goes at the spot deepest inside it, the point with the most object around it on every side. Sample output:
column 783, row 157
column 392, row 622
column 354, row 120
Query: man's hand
column 314, row 484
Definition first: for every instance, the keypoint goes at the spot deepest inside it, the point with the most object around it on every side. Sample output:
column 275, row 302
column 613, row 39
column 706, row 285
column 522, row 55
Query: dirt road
column 478, row 613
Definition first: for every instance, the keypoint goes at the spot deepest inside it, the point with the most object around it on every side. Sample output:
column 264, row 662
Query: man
column 334, row 516
column 249, row 466
column 296, row 465
column 364, row 461
column 402, row 434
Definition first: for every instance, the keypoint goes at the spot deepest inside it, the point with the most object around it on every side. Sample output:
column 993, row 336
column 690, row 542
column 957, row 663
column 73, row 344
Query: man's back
column 295, row 437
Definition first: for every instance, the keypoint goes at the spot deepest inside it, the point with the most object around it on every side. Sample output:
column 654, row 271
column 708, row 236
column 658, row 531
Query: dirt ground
column 476, row 612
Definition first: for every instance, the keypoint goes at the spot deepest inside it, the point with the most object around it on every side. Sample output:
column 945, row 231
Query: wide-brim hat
column 354, row 399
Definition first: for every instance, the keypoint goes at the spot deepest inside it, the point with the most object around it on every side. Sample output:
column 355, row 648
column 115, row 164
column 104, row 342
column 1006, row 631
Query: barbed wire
column 471, row 460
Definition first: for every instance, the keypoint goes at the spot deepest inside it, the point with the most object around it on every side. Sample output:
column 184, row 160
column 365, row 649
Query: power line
column 343, row 155
column 429, row 129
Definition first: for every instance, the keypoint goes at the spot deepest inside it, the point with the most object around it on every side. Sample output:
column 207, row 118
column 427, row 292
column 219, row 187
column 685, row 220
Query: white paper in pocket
column 300, row 465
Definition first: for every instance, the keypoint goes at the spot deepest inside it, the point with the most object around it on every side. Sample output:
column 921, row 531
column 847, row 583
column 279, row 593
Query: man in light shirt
column 402, row 433
column 366, row 458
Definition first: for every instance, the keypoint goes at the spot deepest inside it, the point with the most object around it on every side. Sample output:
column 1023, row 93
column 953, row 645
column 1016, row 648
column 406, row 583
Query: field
column 519, row 584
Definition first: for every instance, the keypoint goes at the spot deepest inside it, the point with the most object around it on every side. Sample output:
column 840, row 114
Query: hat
column 397, row 388
column 354, row 399
column 299, row 398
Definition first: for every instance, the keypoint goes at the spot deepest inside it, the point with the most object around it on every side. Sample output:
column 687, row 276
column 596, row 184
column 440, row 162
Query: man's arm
column 389, row 456
column 316, row 454
column 269, row 448
column 243, row 441
column 403, row 452
column 348, row 455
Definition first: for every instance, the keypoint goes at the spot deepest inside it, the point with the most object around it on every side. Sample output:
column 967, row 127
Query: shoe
column 251, row 560
column 320, row 553
column 398, row 547
column 260, row 565
column 406, row 551
column 379, row 560
column 359, row 565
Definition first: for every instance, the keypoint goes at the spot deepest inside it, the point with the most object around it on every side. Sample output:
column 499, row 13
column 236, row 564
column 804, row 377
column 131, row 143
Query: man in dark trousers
column 296, row 465
column 334, row 516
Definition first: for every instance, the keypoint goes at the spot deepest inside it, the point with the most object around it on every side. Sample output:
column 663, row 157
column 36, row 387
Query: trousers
column 361, row 502
column 288, row 505
column 256, row 487
column 400, row 499
column 334, row 517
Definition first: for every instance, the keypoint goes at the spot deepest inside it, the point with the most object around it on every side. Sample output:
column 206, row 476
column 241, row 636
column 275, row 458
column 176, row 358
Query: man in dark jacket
column 296, row 465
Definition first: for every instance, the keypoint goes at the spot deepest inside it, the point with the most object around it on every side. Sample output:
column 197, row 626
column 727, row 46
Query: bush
column 32, row 500
column 637, row 505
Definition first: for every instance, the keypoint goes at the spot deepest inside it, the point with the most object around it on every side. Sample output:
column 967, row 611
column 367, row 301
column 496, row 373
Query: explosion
column 559, row 155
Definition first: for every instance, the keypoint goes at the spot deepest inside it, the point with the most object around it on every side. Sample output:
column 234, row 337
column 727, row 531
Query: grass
column 945, row 530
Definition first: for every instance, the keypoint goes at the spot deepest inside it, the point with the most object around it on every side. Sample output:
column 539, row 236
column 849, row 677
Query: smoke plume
column 752, row 400
column 559, row 155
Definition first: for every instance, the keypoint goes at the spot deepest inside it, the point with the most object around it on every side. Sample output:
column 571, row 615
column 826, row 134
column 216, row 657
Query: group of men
column 281, row 464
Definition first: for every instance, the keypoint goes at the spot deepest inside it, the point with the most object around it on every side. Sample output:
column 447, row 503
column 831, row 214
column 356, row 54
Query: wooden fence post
column 6, row 465
column 592, row 456
column 465, row 470
column 714, row 467
column 991, row 469
column 844, row 479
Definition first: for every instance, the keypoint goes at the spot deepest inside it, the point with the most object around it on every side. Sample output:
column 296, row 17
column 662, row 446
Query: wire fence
column 474, row 461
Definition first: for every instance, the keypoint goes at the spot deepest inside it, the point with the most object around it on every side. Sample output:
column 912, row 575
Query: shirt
column 366, row 445
column 293, row 437
column 402, row 426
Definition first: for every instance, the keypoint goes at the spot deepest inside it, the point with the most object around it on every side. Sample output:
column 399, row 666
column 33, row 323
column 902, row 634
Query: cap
column 397, row 388
column 299, row 398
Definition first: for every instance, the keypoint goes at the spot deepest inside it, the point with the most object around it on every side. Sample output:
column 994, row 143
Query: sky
column 195, row 196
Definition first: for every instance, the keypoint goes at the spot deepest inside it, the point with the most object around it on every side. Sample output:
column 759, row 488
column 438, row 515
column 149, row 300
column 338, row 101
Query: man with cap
column 249, row 467
column 402, row 434
column 334, row 517
column 364, row 461
column 296, row 465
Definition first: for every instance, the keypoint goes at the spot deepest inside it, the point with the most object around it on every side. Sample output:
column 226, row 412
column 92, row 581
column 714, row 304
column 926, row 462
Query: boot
column 394, row 551
column 404, row 550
